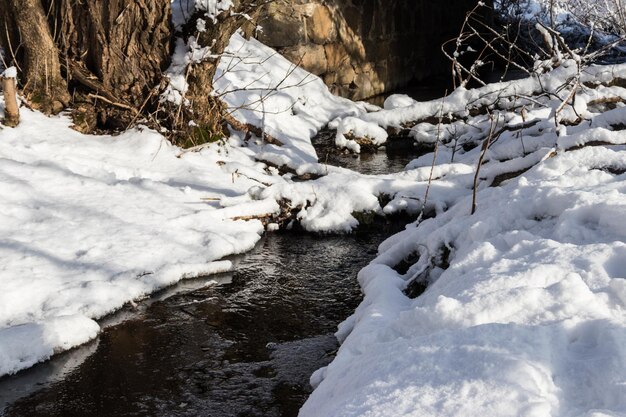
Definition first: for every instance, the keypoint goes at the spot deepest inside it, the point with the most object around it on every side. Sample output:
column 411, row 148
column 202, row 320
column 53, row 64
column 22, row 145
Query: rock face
column 362, row 48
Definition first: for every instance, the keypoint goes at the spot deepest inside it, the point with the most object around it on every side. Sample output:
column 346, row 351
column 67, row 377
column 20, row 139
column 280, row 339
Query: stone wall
column 362, row 48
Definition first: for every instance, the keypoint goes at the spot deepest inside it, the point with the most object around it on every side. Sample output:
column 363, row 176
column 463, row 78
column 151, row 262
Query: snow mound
column 89, row 223
column 528, row 319
column 357, row 129
column 263, row 89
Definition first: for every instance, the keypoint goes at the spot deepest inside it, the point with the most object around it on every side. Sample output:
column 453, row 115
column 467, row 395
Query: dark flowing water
column 397, row 153
column 245, row 346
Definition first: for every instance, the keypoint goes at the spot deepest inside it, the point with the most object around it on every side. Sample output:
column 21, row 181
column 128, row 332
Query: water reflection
column 394, row 157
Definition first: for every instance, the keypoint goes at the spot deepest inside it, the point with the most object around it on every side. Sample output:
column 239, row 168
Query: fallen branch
column 249, row 129
column 87, row 79
column 113, row 103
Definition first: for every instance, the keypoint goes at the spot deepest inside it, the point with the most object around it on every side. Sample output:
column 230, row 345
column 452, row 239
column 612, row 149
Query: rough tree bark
column 111, row 55
column 116, row 50
column 108, row 52
column 26, row 33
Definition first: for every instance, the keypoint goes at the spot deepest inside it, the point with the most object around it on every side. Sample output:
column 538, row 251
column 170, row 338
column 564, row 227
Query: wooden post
column 11, row 109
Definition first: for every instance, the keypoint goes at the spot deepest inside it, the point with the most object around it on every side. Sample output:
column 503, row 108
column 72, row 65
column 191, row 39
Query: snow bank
column 89, row 223
column 42, row 340
column 525, row 308
column 290, row 104
column 529, row 319
column 263, row 89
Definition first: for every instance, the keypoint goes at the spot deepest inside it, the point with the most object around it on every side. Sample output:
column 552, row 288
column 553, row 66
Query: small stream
column 392, row 158
column 238, row 344
column 242, row 344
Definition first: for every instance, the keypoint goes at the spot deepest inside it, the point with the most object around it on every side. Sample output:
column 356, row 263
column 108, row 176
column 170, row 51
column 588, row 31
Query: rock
column 311, row 57
column 337, row 56
column 369, row 47
column 321, row 27
column 281, row 27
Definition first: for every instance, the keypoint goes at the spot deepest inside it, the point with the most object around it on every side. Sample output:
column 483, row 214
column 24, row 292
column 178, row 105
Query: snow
column 525, row 308
column 359, row 129
column 528, row 320
column 182, row 10
column 43, row 339
column 88, row 223
column 263, row 89
column 575, row 20
column 10, row 72
column 184, row 55
column 213, row 8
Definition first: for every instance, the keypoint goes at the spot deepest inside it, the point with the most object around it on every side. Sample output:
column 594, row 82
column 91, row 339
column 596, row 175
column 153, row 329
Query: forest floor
column 524, row 308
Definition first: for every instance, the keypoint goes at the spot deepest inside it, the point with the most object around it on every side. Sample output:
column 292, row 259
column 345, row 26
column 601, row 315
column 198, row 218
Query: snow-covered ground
column 528, row 320
column 89, row 223
column 525, row 310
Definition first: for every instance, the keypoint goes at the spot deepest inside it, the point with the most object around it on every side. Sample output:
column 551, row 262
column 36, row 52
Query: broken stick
column 11, row 109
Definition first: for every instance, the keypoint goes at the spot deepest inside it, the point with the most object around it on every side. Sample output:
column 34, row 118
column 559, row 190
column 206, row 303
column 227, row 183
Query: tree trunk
column 113, row 54
column 117, row 50
column 28, row 35
column 206, row 117
column 124, row 43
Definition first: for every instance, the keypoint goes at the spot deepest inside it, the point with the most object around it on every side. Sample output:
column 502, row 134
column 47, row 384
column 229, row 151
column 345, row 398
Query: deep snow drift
column 525, row 309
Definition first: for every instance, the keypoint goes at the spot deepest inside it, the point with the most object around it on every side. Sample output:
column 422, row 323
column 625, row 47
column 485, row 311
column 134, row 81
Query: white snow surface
column 525, row 309
column 89, row 223
column 528, row 320
column 264, row 89
column 10, row 72
column 359, row 129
